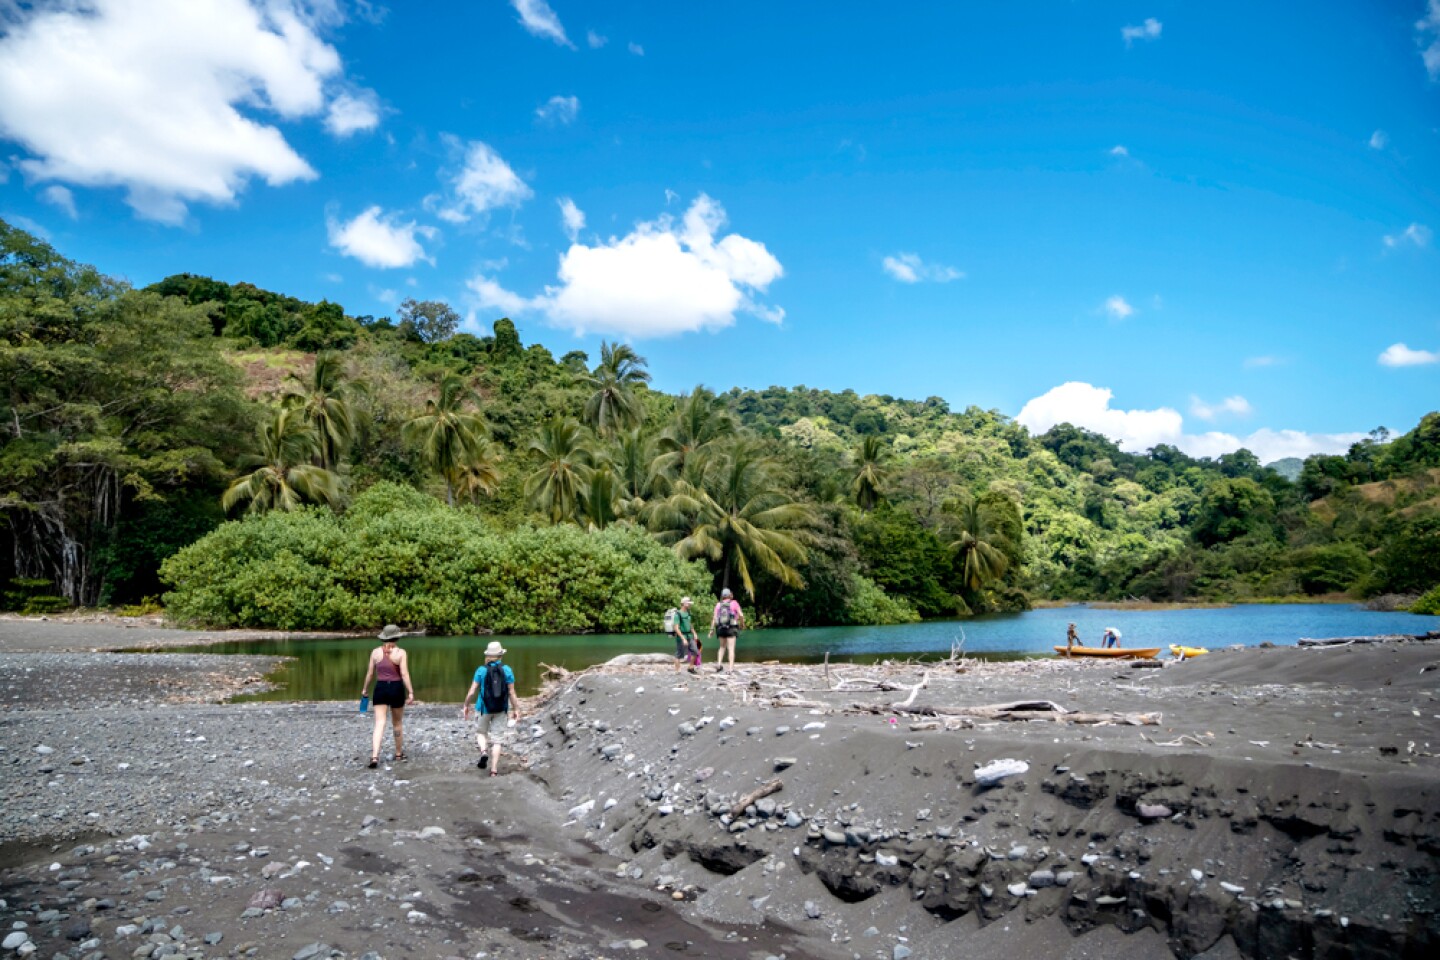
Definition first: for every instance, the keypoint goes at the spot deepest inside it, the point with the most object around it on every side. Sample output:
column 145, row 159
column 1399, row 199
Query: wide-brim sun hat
column 685, row 600
column 391, row 632
column 725, row 593
column 494, row 649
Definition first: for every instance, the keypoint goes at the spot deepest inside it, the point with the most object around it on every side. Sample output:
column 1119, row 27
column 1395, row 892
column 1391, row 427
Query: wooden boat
column 1123, row 653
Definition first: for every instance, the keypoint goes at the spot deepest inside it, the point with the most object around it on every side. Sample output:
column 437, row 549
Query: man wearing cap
column 726, row 623
column 687, row 642
column 499, row 707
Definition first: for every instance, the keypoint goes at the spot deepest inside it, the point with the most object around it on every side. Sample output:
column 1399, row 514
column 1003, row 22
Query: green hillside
column 366, row 464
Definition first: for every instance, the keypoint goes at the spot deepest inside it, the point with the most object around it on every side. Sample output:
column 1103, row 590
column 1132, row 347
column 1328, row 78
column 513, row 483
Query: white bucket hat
column 494, row 649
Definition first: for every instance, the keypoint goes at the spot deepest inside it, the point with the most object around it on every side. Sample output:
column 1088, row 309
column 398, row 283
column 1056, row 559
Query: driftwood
column 924, row 682
column 1018, row 711
column 1380, row 638
column 764, row 790
column 799, row 704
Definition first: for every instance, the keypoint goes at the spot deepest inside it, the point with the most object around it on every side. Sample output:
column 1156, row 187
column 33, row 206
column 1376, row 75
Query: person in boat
column 1071, row 637
column 1111, row 638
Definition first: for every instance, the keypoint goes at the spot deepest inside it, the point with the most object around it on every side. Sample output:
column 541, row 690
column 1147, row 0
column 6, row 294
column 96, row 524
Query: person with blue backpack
column 726, row 623
column 499, row 708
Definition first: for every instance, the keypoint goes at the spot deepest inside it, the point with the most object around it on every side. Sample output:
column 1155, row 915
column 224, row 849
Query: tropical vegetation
column 256, row 459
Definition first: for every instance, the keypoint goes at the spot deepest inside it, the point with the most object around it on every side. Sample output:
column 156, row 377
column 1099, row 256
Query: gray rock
column 311, row 951
column 12, row 941
column 872, row 931
column 781, row 730
column 753, row 731
column 1153, row 811
column 213, row 938
column 267, row 899
column 1063, row 878
column 812, row 909
column 611, row 750
column 1042, row 878
column 291, row 903
column 766, row 807
column 1018, row 852
column 784, row 763
column 900, row 952
column 687, row 729
column 832, row 836
column 793, row 819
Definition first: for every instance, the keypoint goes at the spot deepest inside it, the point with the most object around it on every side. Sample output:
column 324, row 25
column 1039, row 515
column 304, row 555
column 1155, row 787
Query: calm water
column 441, row 667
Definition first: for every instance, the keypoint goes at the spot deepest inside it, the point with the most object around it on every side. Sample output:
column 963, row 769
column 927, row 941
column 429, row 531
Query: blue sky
column 1205, row 224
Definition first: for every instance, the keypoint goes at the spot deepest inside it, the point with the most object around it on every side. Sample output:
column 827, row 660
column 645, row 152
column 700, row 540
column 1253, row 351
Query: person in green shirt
column 687, row 642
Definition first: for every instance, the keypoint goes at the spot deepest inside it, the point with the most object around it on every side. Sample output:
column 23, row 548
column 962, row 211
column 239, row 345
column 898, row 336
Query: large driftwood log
column 1018, row 711
column 1381, row 638
column 764, row 790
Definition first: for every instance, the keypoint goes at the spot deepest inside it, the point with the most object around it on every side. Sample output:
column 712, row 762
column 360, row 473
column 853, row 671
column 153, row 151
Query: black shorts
column 389, row 693
column 727, row 634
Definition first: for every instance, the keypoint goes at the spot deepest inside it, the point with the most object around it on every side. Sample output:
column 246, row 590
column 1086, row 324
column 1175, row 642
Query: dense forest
column 249, row 458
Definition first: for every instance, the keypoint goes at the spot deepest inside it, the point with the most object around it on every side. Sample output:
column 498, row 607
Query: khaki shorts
column 493, row 725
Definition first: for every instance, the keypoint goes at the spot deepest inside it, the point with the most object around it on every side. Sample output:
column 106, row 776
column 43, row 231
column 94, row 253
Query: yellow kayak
column 1185, row 653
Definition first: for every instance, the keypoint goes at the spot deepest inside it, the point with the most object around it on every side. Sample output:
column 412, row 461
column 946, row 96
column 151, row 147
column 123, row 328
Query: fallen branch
column 1379, row 638
column 764, row 790
column 1177, row 742
column 1020, row 711
column 798, row 703
column 924, row 682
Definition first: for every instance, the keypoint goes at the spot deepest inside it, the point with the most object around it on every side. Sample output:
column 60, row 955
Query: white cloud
column 1417, row 234
column 1399, row 355
column 379, row 240
column 635, row 48
column 351, row 113
column 484, row 182
column 1119, row 150
column 664, row 277
column 1236, row 405
column 1252, row 363
column 909, row 268
column 147, row 96
column 1118, row 307
column 595, row 40
column 1378, row 140
column 1136, row 431
column 572, row 217
column 58, row 196
column 561, row 110
column 537, row 17
column 1429, row 26
column 1149, row 30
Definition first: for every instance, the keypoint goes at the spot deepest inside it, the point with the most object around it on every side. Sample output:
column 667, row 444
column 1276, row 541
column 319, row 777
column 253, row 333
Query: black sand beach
column 1284, row 802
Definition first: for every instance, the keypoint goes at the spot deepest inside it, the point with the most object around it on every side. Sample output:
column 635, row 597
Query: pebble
column 1197, row 875
column 1153, row 811
column 611, row 750
column 784, row 763
column 687, row 729
column 13, row 940
column 812, row 910
column 1231, row 888
column 900, row 952
column 780, row 731
column 310, row 951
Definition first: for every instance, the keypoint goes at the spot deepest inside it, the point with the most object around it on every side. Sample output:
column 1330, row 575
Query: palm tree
column 565, row 467
column 450, row 436
column 870, row 473
column 632, row 457
column 975, row 545
column 326, row 402
column 700, row 419
column 731, row 509
column 480, row 476
column 612, row 403
column 283, row 478
column 599, row 500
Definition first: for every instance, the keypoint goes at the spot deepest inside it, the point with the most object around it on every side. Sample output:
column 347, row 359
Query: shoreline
column 618, row 798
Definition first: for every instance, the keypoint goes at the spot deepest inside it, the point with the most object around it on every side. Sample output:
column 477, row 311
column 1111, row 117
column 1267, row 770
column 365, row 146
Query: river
column 441, row 667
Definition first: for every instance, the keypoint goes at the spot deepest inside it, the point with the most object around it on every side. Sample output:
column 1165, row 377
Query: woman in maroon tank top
column 390, row 667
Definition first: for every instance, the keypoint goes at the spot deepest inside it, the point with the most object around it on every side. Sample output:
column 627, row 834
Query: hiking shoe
column 484, row 761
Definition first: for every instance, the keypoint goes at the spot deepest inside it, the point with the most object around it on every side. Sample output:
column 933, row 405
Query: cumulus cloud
column 1378, row 140
column 1417, row 234
column 61, row 197
column 1119, row 150
column 1428, row 34
column 909, row 268
column 572, row 217
column 379, row 240
column 1399, row 355
column 561, row 110
column 483, row 182
column 635, row 48
column 352, row 113
column 1118, row 307
column 595, row 40
column 665, row 277
column 1088, row 406
column 1149, row 30
column 147, row 96
column 537, row 17
column 1236, row 405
